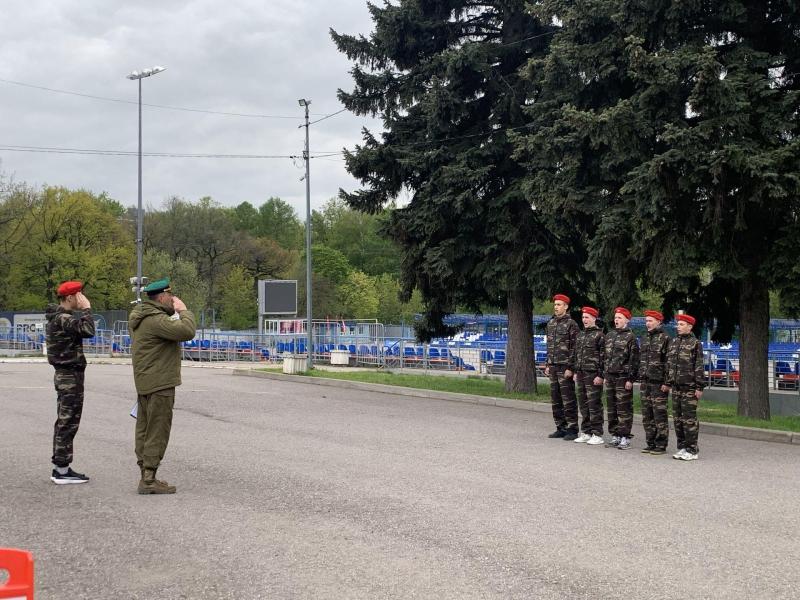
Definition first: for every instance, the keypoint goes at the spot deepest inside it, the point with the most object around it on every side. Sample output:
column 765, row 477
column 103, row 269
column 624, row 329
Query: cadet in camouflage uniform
column 686, row 379
column 68, row 323
column 562, row 333
column 653, row 373
column 621, row 370
column 589, row 375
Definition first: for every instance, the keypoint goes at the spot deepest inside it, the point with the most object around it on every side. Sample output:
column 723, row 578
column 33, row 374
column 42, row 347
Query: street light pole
column 309, row 322
column 138, row 76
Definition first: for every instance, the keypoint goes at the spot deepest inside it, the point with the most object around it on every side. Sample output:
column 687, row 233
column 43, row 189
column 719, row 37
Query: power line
column 326, row 117
column 95, row 152
column 180, row 108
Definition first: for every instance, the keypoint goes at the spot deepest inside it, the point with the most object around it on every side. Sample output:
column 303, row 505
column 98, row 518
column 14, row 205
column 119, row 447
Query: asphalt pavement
column 291, row 490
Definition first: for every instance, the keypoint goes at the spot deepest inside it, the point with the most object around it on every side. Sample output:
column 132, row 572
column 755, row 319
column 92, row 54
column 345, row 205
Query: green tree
column 391, row 310
column 277, row 220
column 676, row 137
column 60, row 234
column 237, row 300
column 245, row 218
column 445, row 79
column 330, row 263
column 359, row 296
column 185, row 281
column 358, row 236
column 202, row 232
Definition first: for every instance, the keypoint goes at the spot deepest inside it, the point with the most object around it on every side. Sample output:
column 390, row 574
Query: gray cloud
column 245, row 56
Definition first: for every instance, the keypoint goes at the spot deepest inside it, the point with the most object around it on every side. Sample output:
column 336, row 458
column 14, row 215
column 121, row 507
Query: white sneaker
column 614, row 442
column 679, row 454
column 582, row 438
column 624, row 444
column 595, row 440
column 689, row 456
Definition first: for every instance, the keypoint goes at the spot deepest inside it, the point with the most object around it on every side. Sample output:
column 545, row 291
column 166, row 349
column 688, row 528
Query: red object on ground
column 19, row 565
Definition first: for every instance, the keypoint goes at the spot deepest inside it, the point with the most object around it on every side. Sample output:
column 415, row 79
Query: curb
column 734, row 431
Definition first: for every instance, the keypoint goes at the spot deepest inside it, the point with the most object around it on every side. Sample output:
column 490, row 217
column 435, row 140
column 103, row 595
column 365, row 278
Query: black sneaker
column 69, row 477
column 558, row 433
column 570, row 436
column 648, row 450
column 658, row 451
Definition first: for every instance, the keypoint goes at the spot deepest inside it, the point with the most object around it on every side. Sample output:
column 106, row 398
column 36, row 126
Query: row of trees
column 605, row 148
column 213, row 254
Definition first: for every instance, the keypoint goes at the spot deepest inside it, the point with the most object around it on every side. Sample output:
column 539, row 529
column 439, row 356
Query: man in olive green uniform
column 621, row 370
column 158, row 325
column 562, row 332
column 68, row 323
column 653, row 373
column 686, row 379
column 589, row 375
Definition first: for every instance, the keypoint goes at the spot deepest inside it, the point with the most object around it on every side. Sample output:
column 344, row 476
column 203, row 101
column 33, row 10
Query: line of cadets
column 616, row 361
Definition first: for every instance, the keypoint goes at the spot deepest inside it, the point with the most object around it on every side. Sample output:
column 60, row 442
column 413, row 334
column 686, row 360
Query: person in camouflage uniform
column 562, row 333
column 621, row 370
column 68, row 323
column 653, row 372
column 589, row 364
column 686, row 379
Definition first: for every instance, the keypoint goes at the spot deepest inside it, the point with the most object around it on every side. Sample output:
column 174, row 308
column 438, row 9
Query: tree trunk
column 520, row 372
column 753, row 348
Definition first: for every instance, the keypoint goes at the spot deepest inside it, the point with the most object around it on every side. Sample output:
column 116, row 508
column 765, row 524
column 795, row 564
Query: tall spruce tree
column 444, row 76
column 679, row 152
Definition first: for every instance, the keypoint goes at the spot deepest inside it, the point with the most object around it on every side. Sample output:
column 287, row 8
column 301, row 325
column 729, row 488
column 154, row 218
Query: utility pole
column 309, row 322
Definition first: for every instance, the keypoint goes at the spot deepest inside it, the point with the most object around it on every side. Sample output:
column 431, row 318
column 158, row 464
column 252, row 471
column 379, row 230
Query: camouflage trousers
column 590, row 403
column 153, row 427
column 655, row 418
column 562, row 399
column 684, row 413
column 69, row 391
column 620, row 406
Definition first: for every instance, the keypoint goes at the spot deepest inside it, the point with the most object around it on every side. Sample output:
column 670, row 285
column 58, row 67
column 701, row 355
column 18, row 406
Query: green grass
column 710, row 412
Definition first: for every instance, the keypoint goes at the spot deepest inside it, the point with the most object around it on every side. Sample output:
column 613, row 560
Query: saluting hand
column 178, row 304
column 82, row 301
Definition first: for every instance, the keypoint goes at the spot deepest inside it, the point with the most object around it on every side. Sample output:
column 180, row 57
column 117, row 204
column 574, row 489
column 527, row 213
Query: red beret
column 561, row 297
column 623, row 311
column 688, row 318
column 655, row 314
column 69, row 287
column 591, row 311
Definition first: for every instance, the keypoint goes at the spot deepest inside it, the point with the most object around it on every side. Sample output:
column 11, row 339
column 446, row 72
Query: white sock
column 62, row 470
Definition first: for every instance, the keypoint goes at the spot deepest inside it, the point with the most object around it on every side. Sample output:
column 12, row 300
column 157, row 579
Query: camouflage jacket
column 591, row 351
column 653, row 361
column 685, row 363
column 562, row 333
column 64, row 333
column 622, row 354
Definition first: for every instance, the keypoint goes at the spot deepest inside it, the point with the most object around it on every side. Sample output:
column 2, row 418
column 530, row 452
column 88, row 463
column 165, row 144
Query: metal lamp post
column 309, row 323
column 139, row 75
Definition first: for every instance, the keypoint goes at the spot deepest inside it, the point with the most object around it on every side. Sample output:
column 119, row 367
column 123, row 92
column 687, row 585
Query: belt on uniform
column 684, row 388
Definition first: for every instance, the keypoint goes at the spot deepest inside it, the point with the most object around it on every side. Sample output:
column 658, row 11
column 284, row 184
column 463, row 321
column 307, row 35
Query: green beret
column 162, row 285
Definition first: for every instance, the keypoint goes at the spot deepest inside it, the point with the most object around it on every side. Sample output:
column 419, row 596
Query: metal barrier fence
column 364, row 344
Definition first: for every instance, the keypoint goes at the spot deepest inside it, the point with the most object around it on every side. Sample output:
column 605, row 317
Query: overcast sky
column 241, row 56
